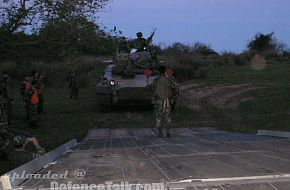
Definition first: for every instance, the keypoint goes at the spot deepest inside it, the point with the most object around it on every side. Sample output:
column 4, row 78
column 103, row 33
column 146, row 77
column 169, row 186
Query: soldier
column 27, row 147
column 32, row 101
column 18, row 148
column 6, row 98
column 140, row 43
column 73, row 85
column 163, row 93
column 40, row 92
column 25, row 86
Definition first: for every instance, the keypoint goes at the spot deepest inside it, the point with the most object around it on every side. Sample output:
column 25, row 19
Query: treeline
column 53, row 35
column 56, row 40
column 195, row 61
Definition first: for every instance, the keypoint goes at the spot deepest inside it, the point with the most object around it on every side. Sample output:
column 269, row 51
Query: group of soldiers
column 32, row 91
column 15, row 144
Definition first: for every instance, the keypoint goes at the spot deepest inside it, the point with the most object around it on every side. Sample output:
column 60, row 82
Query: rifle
column 150, row 39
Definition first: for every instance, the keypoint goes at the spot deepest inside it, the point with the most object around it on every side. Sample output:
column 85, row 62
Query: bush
column 57, row 73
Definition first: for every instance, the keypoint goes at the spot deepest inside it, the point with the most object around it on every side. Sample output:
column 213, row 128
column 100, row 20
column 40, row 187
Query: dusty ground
column 221, row 96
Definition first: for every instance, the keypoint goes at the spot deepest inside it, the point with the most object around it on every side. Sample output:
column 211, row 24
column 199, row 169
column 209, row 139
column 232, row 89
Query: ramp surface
column 193, row 158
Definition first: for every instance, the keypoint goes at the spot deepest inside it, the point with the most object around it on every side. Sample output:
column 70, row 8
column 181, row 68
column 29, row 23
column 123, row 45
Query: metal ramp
column 193, row 158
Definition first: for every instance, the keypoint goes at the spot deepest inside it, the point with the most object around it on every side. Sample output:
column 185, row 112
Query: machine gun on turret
column 150, row 38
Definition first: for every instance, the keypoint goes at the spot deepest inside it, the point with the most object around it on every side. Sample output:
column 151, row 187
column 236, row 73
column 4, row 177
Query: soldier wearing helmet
column 164, row 90
column 139, row 43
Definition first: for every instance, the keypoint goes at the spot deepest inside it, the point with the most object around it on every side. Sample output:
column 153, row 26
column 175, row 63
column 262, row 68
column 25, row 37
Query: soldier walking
column 163, row 93
column 6, row 98
column 32, row 101
column 73, row 85
column 25, row 86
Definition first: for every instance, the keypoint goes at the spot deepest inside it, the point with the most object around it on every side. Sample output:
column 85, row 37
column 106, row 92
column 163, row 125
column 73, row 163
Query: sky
column 226, row 25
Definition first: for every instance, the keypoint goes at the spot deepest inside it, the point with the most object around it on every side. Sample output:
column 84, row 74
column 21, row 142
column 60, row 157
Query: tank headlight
column 112, row 82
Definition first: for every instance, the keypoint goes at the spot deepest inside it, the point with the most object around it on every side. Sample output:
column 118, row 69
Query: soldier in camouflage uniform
column 25, row 86
column 163, row 92
column 18, row 148
column 73, row 85
column 139, row 43
column 5, row 99
column 32, row 103
column 40, row 92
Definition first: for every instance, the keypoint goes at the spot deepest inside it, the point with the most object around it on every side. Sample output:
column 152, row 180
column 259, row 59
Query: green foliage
column 60, row 29
column 267, row 44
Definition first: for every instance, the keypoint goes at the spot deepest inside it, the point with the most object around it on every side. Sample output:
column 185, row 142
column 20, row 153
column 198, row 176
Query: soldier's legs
column 76, row 93
column 71, row 93
column 158, row 119
column 27, row 110
column 41, row 104
column 32, row 115
column 167, row 120
column 6, row 113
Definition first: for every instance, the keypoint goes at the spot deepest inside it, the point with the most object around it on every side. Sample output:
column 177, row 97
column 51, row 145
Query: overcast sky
column 224, row 24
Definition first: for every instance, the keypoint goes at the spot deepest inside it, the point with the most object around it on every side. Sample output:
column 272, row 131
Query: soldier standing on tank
column 6, row 98
column 139, row 43
column 163, row 92
column 73, row 85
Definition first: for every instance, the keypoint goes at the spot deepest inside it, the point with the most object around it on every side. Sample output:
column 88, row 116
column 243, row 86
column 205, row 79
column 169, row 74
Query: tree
column 21, row 13
column 203, row 49
column 267, row 43
column 48, row 15
column 262, row 42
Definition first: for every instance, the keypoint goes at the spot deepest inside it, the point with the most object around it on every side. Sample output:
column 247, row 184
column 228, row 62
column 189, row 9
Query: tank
column 123, row 81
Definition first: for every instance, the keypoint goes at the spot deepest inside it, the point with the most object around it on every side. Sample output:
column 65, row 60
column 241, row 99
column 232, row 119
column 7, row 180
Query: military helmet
column 18, row 140
column 139, row 34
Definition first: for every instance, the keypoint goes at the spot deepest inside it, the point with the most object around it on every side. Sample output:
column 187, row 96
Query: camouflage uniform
column 140, row 43
column 163, row 91
column 5, row 100
column 28, row 147
column 25, row 86
column 73, row 85
column 40, row 92
column 18, row 148
column 32, row 107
